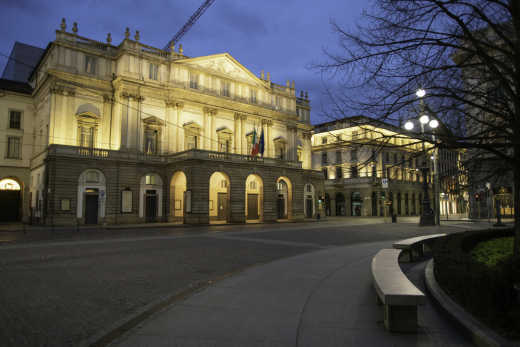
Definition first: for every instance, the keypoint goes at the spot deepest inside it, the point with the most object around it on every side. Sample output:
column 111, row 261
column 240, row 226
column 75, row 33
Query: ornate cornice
column 210, row 111
column 240, row 116
column 108, row 99
column 62, row 90
column 135, row 97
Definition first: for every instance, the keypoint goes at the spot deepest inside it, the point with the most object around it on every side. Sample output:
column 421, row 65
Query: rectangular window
column 225, row 86
column 324, row 140
column 278, row 102
column 339, row 172
column 15, row 119
column 374, row 171
column 90, row 64
column 194, row 80
column 14, row 148
column 338, row 156
column 354, row 135
column 325, row 173
column 353, row 171
column 354, row 155
column 387, row 157
column 252, row 96
column 324, row 158
column 86, row 137
column 192, row 142
column 154, row 69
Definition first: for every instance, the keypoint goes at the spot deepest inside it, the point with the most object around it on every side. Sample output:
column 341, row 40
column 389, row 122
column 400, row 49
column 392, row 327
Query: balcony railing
column 192, row 154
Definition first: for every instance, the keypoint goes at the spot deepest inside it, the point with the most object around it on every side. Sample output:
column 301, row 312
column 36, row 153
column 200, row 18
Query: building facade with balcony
column 130, row 133
column 356, row 155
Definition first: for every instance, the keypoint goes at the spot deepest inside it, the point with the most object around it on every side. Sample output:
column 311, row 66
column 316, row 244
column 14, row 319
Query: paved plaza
column 297, row 284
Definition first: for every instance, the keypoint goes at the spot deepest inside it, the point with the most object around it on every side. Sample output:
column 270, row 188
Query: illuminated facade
column 131, row 133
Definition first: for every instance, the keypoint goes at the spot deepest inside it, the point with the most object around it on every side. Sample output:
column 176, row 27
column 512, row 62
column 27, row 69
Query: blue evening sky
column 281, row 37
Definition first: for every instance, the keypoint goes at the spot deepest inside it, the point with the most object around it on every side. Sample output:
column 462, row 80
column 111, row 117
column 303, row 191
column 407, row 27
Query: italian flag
column 255, row 145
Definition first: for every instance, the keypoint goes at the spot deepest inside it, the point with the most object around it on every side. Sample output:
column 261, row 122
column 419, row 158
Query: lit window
column 252, row 185
column 223, row 184
column 86, row 136
column 14, row 148
column 150, row 179
column 90, row 64
column 15, row 119
column 154, row 68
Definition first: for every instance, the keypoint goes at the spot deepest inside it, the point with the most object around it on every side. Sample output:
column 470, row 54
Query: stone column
column 179, row 131
column 243, row 145
column 213, row 138
column 238, row 134
column 269, row 140
column 125, row 100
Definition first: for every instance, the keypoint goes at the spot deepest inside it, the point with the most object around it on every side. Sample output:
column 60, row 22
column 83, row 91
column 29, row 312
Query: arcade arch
column 309, row 200
column 150, row 197
column 10, row 200
column 284, row 198
column 177, row 192
column 254, row 208
column 219, row 209
column 91, row 196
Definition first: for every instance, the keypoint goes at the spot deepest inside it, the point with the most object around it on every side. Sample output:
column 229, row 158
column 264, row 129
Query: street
column 61, row 291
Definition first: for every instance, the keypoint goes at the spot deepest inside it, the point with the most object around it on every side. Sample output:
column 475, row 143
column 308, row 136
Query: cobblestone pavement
column 60, row 291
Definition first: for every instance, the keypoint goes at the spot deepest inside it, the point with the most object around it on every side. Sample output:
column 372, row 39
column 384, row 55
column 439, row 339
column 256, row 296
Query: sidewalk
column 323, row 298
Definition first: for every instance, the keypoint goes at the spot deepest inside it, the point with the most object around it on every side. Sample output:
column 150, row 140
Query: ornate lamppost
column 427, row 215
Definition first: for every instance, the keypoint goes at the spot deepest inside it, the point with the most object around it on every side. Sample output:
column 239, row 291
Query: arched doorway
column 91, row 196
column 219, row 211
column 308, row 198
column 10, row 200
column 357, row 204
column 340, row 205
column 177, row 192
column 150, row 202
column 284, row 198
column 254, row 198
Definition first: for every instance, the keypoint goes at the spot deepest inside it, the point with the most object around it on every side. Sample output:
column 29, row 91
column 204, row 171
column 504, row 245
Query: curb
column 480, row 334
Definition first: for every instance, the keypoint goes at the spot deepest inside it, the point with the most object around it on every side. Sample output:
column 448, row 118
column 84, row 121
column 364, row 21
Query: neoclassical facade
column 130, row 133
column 355, row 156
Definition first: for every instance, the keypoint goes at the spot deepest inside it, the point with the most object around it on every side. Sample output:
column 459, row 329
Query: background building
column 132, row 133
column 355, row 154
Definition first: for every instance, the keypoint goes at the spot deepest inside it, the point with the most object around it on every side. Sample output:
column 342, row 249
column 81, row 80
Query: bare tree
column 464, row 53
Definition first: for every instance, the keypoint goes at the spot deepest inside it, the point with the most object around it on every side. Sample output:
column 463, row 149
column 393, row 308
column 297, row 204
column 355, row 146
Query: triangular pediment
column 224, row 65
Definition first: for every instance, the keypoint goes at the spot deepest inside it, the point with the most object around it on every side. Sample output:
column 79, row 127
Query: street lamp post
column 427, row 215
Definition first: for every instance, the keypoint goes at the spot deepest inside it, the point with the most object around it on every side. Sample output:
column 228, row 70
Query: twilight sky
column 282, row 37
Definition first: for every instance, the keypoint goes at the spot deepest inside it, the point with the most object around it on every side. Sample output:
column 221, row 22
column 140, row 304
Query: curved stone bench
column 417, row 245
column 395, row 291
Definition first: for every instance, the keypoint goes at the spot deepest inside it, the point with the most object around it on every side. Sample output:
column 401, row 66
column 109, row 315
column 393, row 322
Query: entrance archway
column 357, row 204
column 340, row 205
column 309, row 200
column 91, row 196
column 254, row 198
column 10, row 200
column 150, row 193
column 284, row 198
column 177, row 192
column 219, row 209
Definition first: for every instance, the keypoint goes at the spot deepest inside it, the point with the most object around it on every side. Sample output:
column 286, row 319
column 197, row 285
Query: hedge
column 486, row 292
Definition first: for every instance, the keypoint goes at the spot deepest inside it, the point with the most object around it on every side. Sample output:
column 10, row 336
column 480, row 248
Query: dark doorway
column 357, row 204
column 222, row 206
column 340, row 205
column 399, row 210
column 252, row 206
column 10, row 205
column 327, row 204
column 151, row 206
column 280, row 206
column 308, row 207
column 91, row 207
column 374, row 204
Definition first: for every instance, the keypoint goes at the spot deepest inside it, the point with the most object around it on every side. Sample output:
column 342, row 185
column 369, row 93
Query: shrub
column 486, row 292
